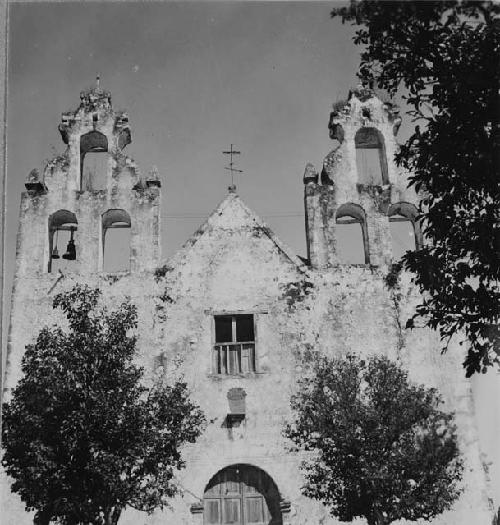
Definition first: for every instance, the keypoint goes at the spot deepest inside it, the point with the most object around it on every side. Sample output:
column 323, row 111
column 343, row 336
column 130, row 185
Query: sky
column 194, row 78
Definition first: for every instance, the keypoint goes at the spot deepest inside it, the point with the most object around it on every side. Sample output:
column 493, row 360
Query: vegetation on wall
column 445, row 54
column 392, row 283
column 83, row 436
column 296, row 292
column 380, row 447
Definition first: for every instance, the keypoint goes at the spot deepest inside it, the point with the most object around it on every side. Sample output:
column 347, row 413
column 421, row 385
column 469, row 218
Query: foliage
column 83, row 436
column 296, row 292
column 381, row 448
column 445, row 55
column 392, row 277
column 162, row 271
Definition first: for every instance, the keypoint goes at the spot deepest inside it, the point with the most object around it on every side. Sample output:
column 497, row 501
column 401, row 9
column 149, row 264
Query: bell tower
column 90, row 211
column 360, row 185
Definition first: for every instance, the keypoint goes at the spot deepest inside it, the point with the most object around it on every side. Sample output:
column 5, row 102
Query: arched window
column 62, row 247
column 116, row 240
column 371, row 159
column 351, row 235
column 405, row 229
column 93, row 161
column 241, row 495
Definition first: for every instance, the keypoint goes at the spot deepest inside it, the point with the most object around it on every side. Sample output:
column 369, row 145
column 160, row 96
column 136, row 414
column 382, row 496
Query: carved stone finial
column 33, row 176
column 339, row 107
column 153, row 174
column 310, row 174
column 95, row 97
column 34, row 183
column 153, row 179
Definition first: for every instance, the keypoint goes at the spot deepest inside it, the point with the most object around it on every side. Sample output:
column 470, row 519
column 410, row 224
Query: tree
column 380, row 447
column 83, row 436
column 445, row 55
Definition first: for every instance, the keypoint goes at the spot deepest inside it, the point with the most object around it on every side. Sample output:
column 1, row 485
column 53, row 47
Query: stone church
column 235, row 312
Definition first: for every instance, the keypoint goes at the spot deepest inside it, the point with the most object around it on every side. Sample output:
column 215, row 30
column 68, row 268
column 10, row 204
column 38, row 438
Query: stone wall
column 339, row 184
column 234, row 265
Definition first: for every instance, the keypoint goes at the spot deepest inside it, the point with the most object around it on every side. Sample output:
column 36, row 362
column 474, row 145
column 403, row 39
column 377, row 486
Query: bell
column 55, row 253
column 70, row 254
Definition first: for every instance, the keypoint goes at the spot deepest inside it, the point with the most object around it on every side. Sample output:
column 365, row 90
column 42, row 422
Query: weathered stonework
column 235, row 265
column 339, row 184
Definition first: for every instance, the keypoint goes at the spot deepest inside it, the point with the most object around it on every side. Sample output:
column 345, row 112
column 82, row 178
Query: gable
column 232, row 217
column 233, row 258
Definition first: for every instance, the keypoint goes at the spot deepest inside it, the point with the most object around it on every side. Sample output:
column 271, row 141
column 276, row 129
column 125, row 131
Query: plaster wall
column 235, row 264
column 339, row 183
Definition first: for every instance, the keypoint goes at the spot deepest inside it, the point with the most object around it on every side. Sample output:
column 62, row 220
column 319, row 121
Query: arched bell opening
column 93, row 161
column 62, row 247
column 405, row 229
column 351, row 235
column 371, row 159
column 241, row 495
column 116, row 241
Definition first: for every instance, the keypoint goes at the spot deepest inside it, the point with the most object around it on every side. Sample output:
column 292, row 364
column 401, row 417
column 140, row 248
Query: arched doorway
column 241, row 495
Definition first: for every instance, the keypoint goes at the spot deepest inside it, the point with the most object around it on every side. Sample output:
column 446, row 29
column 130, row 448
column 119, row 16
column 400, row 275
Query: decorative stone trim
column 153, row 183
column 196, row 508
column 34, row 184
column 197, row 513
column 285, row 506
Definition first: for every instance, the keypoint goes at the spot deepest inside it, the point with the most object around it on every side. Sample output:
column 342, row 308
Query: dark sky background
column 194, row 77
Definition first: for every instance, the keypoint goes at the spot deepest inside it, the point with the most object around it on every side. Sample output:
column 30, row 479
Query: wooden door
column 241, row 495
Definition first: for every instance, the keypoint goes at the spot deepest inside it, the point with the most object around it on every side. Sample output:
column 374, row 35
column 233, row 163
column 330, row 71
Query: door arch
column 241, row 495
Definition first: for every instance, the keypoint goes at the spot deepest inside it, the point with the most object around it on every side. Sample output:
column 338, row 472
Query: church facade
column 235, row 312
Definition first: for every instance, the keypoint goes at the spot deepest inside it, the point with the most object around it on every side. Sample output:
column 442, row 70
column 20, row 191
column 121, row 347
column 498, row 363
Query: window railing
column 234, row 358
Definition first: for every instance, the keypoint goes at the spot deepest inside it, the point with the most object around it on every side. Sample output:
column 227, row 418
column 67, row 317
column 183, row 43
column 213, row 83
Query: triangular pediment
column 233, row 215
